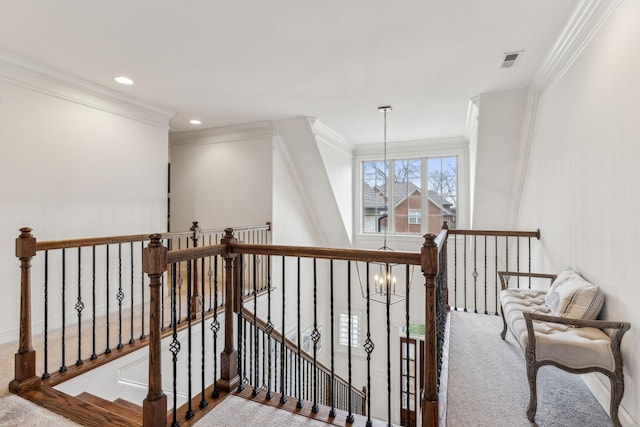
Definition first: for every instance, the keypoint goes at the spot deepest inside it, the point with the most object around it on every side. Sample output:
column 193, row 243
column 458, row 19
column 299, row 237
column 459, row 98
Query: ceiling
column 239, row 61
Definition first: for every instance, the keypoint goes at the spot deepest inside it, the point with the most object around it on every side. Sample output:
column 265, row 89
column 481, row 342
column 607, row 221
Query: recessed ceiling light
column 123, row 80
column 195, row 122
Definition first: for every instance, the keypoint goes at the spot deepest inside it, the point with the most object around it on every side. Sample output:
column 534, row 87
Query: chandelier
column 381, row 283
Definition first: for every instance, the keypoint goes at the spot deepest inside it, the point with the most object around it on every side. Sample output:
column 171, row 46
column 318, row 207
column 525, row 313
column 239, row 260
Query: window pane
column 374, row 196
column 407, row 196
column 443, row 192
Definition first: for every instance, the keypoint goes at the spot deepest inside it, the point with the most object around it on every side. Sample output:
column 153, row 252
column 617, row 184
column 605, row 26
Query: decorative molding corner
column 328, row 136
column 233, row 133
column 60, row 85
column 471, row 125
column 586, row 20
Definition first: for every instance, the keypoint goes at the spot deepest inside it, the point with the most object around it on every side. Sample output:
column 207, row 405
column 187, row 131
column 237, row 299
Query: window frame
column 444, row 147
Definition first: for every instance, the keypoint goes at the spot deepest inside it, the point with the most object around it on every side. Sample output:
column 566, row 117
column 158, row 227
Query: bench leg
column 617, row 390
column 504, row 325
column 532, row 374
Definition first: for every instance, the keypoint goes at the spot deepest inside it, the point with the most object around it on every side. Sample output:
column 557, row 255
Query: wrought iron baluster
column 464, row 264
column 475, row 274
column 203, row 401
column 506, row 248
column 142, row 334
column 94, row 356
column 209, row 275
column 107, row 349
column 174, row 346
column 215, row 327
column 190, row 413
column 408, row 366
column 315, row 337
column 299, row 403
column 332, row 411
column 496, row 276
column 240, row 323
column 485, row 276
column 388, row 305
column 63, row 366
column 455, row 272
column 269, row 328
column 256, row 387
column 131, row 339
column 243, row 378
column 518, row 259
column 263, row 353
column 368, row 347
column 120, row 296
column 350, row 418
column 79, row 307
column 283, row 397
column 46, row 375
column 529, row 256
column 179, row 319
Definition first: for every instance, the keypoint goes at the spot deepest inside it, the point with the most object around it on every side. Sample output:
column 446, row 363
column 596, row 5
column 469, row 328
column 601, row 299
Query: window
column 419, row 188
column 347, row 336
column 415, row 216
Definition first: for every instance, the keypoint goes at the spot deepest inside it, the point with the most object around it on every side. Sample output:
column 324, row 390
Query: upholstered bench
column 558, row 327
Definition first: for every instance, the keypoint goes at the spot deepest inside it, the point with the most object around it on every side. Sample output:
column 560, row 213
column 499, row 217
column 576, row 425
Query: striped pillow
column 577, row 299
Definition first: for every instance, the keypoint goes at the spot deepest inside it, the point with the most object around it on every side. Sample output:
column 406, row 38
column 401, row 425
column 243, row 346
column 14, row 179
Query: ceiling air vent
column 510, row 59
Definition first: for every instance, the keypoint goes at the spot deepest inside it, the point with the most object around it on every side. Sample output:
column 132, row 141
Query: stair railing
column 91, row 295
column 253, row 355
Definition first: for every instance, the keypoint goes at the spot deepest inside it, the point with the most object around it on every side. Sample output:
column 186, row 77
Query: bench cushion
column 515, row 302
column 580, row 347
column 577, row 348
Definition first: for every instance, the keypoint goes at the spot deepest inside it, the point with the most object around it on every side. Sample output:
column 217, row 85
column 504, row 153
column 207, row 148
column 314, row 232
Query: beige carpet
column 488, row 382
column 235, row 411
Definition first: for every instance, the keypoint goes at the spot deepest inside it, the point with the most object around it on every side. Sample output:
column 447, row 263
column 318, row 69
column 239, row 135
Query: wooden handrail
column 195, row 253
column 364, row 255
column 503, row 233
column 109, row 240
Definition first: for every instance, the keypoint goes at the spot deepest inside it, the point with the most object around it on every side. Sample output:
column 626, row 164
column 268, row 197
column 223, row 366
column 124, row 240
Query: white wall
column 221, row 177
column 495, row 152
column 337, row 156
column 581, row 186
column 71, row 169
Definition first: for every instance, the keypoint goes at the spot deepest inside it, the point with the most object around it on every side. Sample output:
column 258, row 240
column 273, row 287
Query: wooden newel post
column 196, row 300
column 429, row 398
column 25, row 358
column 229, row 378
column 154, row 264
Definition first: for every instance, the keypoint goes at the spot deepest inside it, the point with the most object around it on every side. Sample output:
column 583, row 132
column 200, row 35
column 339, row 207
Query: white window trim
column 456, row 146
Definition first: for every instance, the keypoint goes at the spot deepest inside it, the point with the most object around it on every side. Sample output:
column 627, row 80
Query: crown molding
column 223, row 134
column 586, row 20
column 54, row 83
column 328, row 136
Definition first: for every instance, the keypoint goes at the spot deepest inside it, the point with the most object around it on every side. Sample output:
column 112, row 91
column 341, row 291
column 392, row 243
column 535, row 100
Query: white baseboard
column 602, row 393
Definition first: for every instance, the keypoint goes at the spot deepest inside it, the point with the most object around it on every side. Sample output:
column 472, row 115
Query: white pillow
column 573, row 297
